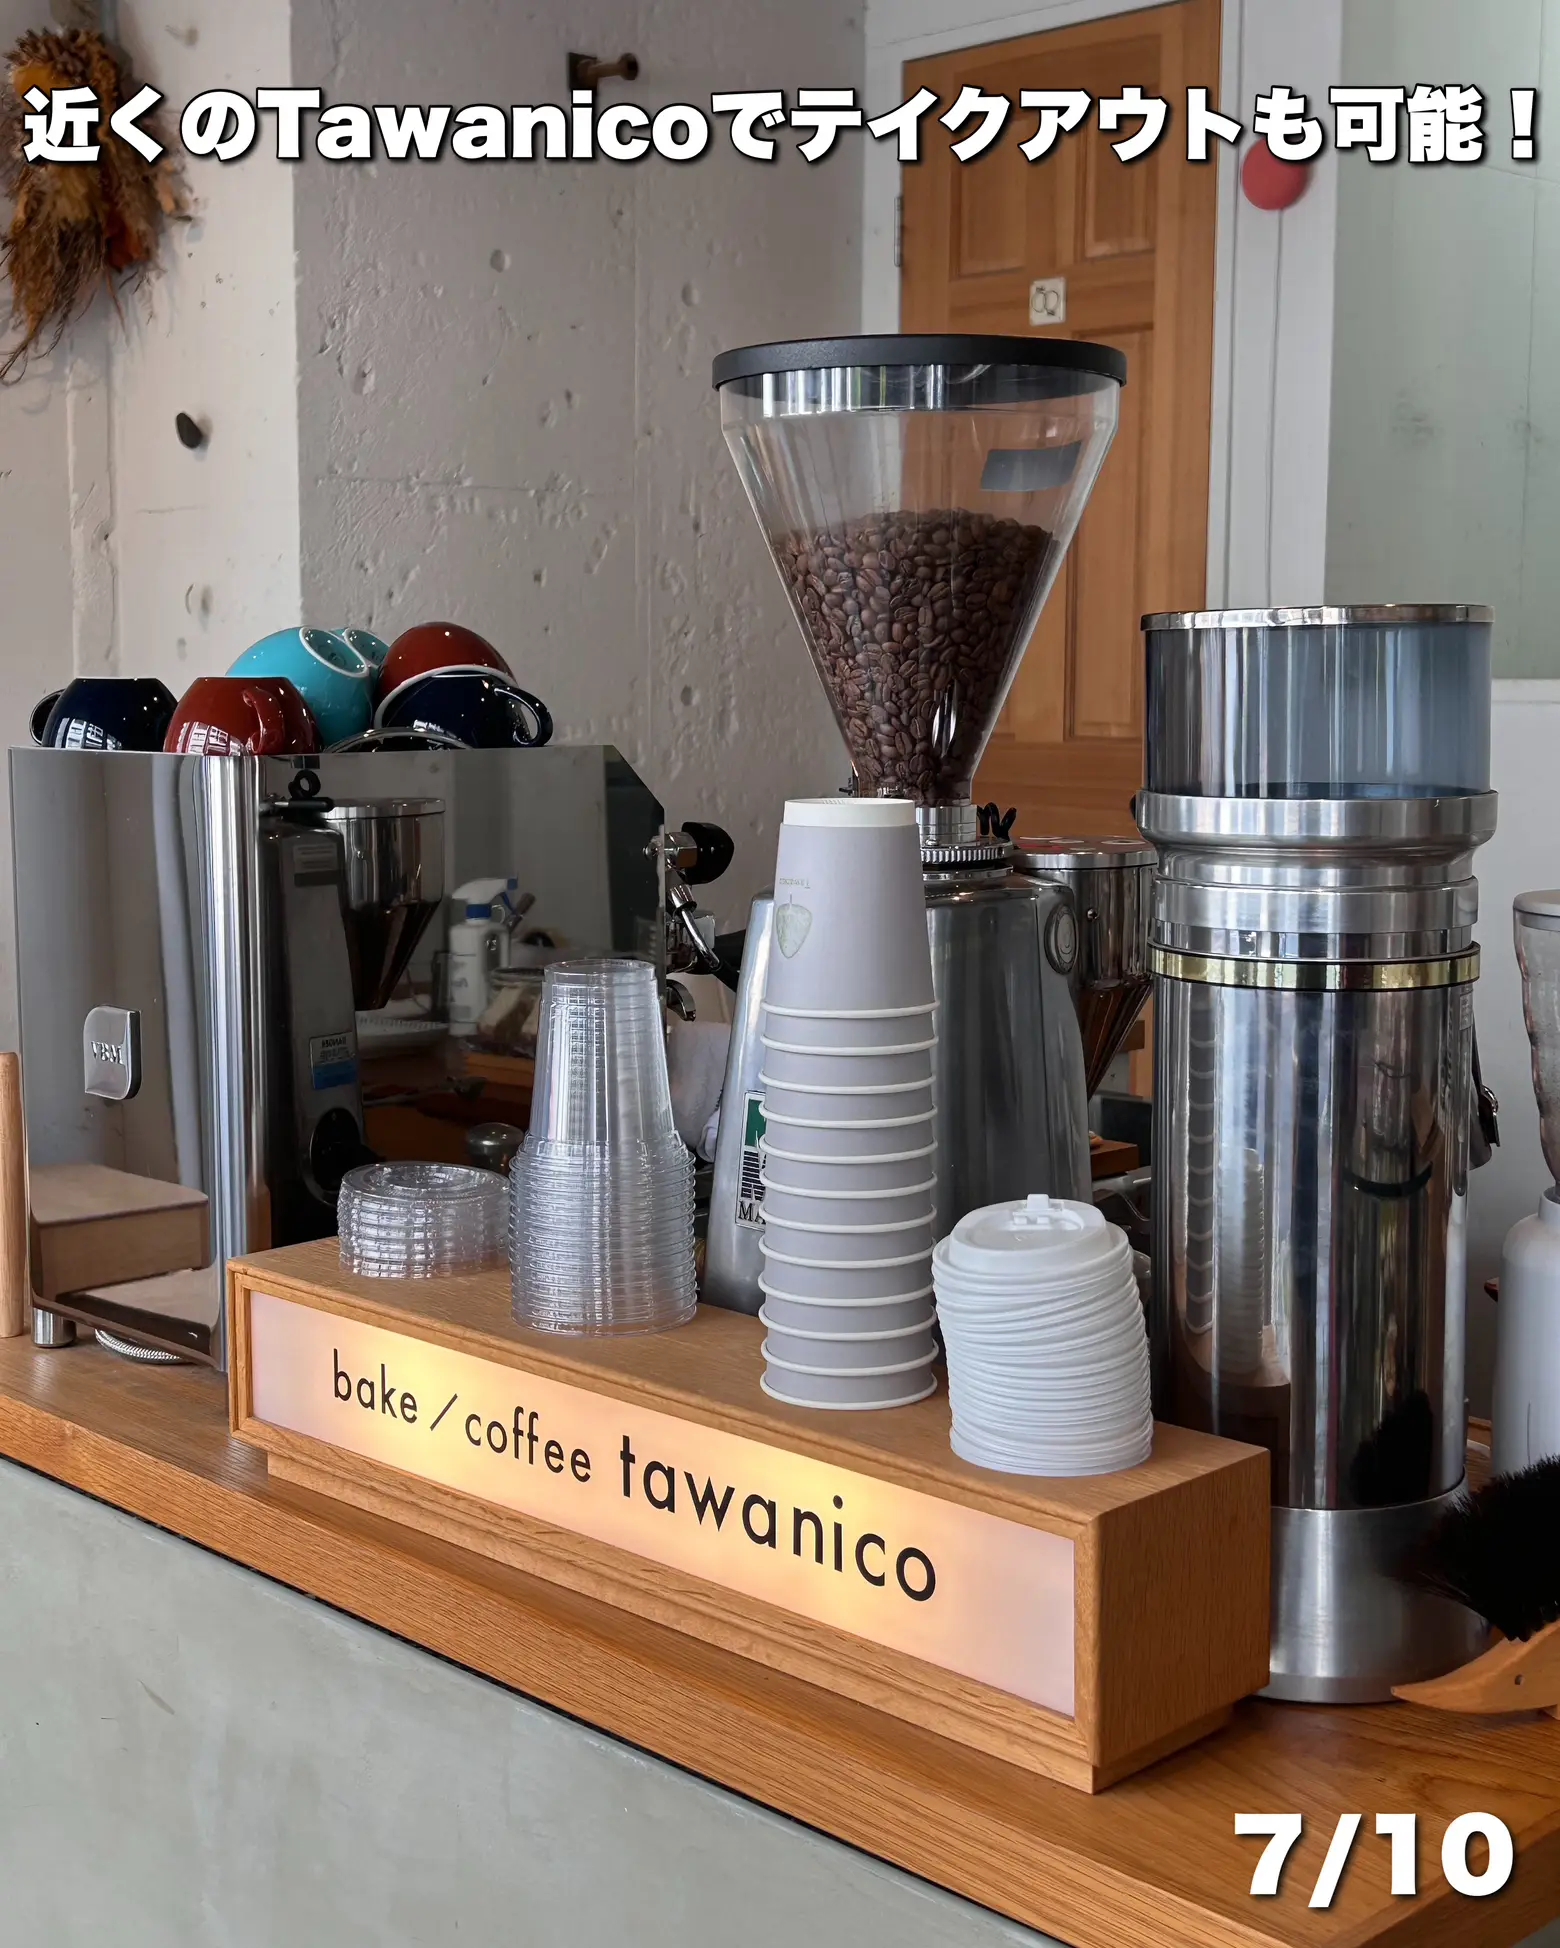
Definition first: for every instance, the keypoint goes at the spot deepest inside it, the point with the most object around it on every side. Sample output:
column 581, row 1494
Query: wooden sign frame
column 1170, row 1590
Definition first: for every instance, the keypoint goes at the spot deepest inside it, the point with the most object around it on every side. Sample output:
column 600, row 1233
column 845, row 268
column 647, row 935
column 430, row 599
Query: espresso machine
column 201, row 944
column 1317, row 784
column 918, row 494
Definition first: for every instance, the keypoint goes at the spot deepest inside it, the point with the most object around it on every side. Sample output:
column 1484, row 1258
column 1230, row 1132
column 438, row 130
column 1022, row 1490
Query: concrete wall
column 194, row 1757
column 35, row 567
column 504, row 402
column 205, row 543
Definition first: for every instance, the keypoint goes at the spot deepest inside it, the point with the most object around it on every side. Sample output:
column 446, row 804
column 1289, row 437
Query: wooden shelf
column 1153, row 1863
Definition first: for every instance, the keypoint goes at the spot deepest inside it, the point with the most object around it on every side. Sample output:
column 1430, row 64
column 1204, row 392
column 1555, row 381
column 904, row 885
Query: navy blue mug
column 105, row 713
column 478, row 708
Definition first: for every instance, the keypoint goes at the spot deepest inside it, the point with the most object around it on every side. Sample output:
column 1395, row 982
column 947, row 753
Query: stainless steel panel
column 1311, row 1157
column 149, row 883
column 1111, row 882
column 1347, row 1624
column 1008, row 1072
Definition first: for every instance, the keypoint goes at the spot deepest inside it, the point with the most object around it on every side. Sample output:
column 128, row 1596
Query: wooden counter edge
column 899, row 1794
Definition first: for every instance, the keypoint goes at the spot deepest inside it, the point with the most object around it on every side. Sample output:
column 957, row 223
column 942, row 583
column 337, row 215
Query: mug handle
column 273, row 725
column 38, row 723
column 527, row 738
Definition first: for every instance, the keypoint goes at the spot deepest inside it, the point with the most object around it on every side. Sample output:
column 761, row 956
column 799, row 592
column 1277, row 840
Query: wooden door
column 1135, row 244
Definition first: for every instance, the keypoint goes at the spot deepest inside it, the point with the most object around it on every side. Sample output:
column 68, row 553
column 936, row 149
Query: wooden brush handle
column 15, row 1300
column 1509, row 1677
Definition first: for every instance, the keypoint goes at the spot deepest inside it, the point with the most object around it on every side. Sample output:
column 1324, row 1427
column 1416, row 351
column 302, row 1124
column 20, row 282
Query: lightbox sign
column 952, row 1585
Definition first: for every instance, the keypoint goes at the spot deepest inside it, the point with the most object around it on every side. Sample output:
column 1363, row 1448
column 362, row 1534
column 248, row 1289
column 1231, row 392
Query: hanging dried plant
column 76, row 227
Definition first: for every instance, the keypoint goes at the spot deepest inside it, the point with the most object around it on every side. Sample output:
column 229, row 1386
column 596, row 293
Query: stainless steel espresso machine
column 204, row 944
column 918, row 495
column 1317, row 783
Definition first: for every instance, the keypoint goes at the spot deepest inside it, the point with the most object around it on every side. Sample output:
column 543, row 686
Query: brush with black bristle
column 1498, row 1553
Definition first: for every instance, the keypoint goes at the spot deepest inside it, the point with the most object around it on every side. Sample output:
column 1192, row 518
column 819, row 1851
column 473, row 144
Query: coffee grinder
column 918, row 495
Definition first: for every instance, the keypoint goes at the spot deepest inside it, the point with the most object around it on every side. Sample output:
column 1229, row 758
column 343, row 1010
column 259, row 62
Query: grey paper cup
column 850, row 907
column 837, row 1069
column 847, row 1352
column 812, row 1208
column 792, row 1278
column 862, row 1392
column 845, row 1105
column 873, row 1137
column 864, row 1028
column 836, row 1242
column 848, row 1317
column 890, row 1173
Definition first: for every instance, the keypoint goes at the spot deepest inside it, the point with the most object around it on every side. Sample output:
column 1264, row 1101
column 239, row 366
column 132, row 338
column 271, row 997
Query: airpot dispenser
column 918, row 495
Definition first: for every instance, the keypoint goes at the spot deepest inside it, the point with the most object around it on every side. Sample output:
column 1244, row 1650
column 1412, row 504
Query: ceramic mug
column 430, row 646
column 373, row 649
column 104, row 713
column 334, row 679
column 399, row 740
column 227, row 716
column 474, row 707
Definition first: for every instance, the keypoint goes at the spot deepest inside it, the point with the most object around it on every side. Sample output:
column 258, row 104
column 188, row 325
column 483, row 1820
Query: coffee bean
column 914, row 617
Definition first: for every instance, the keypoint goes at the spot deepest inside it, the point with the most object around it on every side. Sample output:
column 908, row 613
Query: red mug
column 430, row 646
column 227, row 716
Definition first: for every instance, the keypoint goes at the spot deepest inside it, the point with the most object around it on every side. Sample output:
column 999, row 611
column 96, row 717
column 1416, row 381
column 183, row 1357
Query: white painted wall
column 204, row 544
column 35, row 568
column 504, row 398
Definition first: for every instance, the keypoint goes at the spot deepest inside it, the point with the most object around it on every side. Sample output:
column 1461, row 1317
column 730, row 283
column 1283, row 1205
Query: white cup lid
column 855, row 812
column 1050, row 1237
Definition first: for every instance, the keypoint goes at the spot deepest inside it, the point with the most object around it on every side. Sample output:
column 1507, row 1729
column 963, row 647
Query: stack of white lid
column 1047, row 1352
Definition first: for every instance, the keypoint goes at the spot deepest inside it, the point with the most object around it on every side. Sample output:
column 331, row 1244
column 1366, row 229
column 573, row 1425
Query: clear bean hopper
column 918, row 495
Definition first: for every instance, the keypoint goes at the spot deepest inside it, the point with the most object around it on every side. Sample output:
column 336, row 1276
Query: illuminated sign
column 956, row 1587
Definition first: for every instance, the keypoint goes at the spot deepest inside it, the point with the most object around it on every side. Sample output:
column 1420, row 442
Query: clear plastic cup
column 420, row 1220
column 601, row 1075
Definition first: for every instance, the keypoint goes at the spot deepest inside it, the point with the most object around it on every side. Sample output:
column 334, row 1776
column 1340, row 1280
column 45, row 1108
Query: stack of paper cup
column 1047, row 1353
column 847, row 1081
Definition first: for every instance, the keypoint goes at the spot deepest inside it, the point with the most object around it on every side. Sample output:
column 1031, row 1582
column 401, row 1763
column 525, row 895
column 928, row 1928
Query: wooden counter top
column 1153, row 1863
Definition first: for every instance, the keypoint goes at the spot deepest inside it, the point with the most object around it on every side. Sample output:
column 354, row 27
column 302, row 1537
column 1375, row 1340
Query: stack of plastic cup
column 420, row 1220
column 601, row 1228
column 848, row 1034
column 1047, row 1352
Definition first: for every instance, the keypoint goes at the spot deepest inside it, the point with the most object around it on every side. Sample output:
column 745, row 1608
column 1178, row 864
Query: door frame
column 1273, row 276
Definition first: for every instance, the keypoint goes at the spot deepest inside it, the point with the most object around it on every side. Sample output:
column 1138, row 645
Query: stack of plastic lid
column 1047, row 1352
column 601, row 1228
column 420, row 1220
column 848, row 1176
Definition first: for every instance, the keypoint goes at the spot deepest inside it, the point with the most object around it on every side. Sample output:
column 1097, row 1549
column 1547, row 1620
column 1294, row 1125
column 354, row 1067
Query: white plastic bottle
column 476, row 941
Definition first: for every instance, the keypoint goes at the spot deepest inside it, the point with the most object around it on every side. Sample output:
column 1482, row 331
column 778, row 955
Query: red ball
column 1269, row 181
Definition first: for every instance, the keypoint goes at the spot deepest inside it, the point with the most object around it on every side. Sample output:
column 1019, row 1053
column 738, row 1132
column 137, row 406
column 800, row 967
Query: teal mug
column 335, row 680
column 374, row 649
